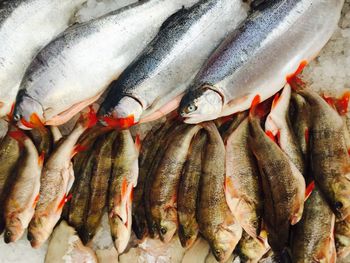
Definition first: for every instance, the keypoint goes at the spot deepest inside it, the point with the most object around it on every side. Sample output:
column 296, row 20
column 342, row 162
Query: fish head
column 187, row 235
column 341, row 198
column 167, row 229
column 14, row 230
column 201, row 105
column 40, row 229
column 25, row 108
column 120, row 233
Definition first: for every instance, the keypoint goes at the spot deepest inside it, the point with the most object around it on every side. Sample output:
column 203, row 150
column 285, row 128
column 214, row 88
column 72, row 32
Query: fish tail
column 41, row 159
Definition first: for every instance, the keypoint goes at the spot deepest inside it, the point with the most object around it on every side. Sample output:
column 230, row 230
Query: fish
column 66, row 246
column 283, row 34
column 216, row 222
column 56, row 180
column 329, row 158
column 251, row 249
column 278, row 124
column 101, row 172
column 23, row 32
column 75, row 69
column 227, row 128
column 122, row 182
column 21, row 201
column 342, row 238
column 282, row 183
column 164, row 187
column 242, row 184
column 188, row 192
column 313, row 236
column 9, row 156
column 153, row 84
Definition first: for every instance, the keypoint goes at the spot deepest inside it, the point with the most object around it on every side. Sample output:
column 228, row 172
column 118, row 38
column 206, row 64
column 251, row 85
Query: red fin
column 64, row 200
column 10, row 114
column 349, row 151
column 27, row 124
column 90, row 118
column 138, row 143
column 41, row 159
column 293, row 79
column 35, row 120
column 18, row 136
column 271, row 136
column 255, row 102
column 307, row 135
column 309, row 190
column 342, row 104
column 121, row 123
column 124, row 187
column 329, row 100
column 36, row 201
column 78, row 148
column 275, row 100
column 278, row 136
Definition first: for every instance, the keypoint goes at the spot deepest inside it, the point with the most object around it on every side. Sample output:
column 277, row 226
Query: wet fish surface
column 77, row 66
column 284, row 34
column 25, row 27
column 153, row 84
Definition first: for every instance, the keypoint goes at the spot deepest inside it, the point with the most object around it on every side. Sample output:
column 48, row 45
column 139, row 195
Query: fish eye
column 191, row 108
column 338, row 205
column 30, row 237
column 217, row 252
column 163, row 230
column 8, row 234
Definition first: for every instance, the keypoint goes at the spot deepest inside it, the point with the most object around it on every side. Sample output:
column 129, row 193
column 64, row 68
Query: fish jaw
column 188, row 233
column 201, row 105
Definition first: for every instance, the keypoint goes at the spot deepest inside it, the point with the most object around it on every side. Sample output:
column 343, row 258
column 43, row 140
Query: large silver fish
column 74, row 69
column 274, row 43
column 154, row 83
column 25, row 27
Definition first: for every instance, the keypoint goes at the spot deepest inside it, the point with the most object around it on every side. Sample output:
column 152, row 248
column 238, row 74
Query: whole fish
column 242, row 187
column 313, row 236
column 101, row 172
column 20, row 203
column 342, row 238
column 216, row 223
column 9, row 156
column 188, row 192
column 330, row 161
column 74, row 69
column 122, row 182
column 154, row 83
column 283, row 34
column 164, row 189
column 282, row 183
column 252, row 249
column 25, row 27
column 278, row 124
column 56, row 180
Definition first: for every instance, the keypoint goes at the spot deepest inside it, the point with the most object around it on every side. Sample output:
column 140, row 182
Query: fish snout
column 25, row 108
column 166, row 231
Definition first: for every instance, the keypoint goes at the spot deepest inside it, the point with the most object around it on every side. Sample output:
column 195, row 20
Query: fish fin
column 330, row 101
column 27, row 124
column 36, row 200
column 309, row 190
column 275, row 100
column 78, row 148
column 138, row 143
column 64, row 200
column 18, row 135
column 342, row 104
column 294, row 81
column 10, row 114
column 271, row 136
column 89, row 119
column 120, row 123
column 35, row 120
column 124, row 187
column 255, row 102
column 41, row 159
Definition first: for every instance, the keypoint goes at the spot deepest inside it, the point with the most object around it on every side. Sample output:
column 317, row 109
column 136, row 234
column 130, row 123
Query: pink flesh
column 164, row 110
column 68, row 114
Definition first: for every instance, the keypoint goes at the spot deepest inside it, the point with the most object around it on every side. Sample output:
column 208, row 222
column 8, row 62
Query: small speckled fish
column 188, row 192
column 123, row 179
column 282, row 183
column 276, row 41
column 101, row 172
column 24, row 194
column 242, row 187
column 313, row 236
column 278, row 124
column 330, row 161
column 9, row 157
column 74, row 69
column 56, row 180
column 216, row 223
column 164, row 189
column 25, row 27
column 154, row 83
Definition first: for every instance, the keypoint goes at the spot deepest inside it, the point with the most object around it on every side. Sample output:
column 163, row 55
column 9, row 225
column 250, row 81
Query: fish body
column 188, row 192
column 9, row 156
column 21, row 202
column 282, row 183
column 216, row 223
column 56, row 180
column 329, row 156
column 122, row 182
column 278, row 123
column 313, row 236
column 164, row 189
column 75, row 68
column 283, row 34
column 23, row 32
column 153, row 84
column 242, row 187
column 99, row 185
